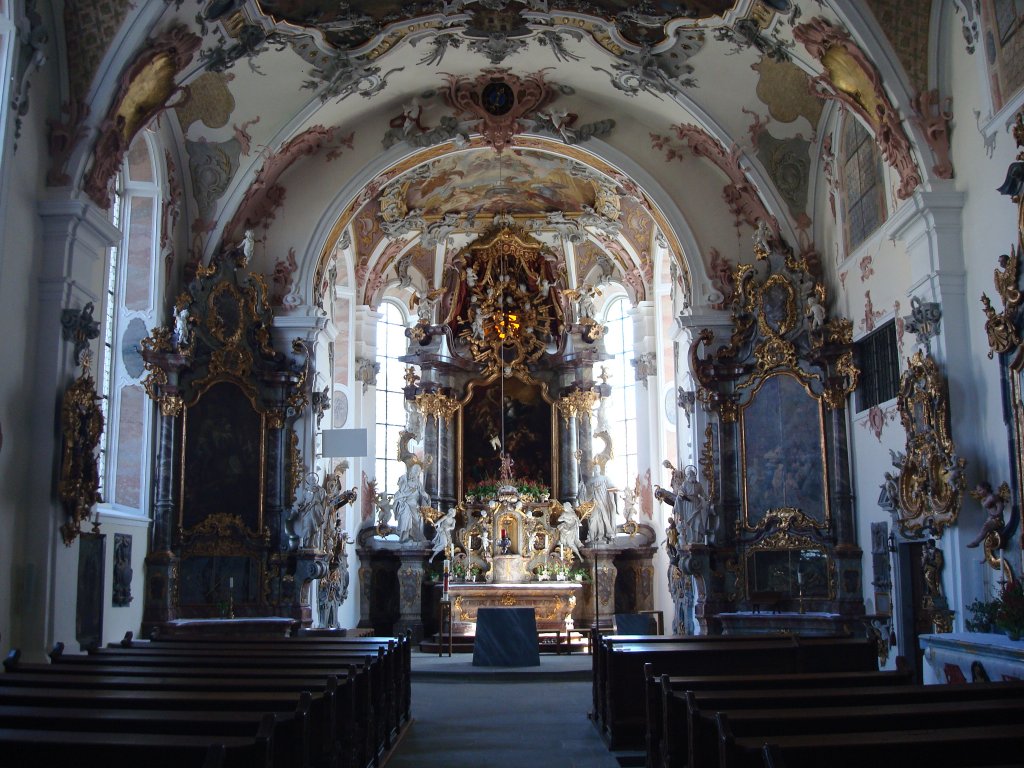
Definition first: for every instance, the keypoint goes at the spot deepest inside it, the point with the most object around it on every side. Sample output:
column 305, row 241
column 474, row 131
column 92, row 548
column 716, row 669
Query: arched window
column 620, row 409
column 130, row 310
column 863, row 189
column 391, row 415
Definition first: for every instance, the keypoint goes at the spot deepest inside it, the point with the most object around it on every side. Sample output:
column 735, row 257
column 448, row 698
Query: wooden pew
column 401, row 643
column 332, row 730
column 388, row 667
column 291, row 743
column 21, row 747
column 974, row 746
column 605, row 645
column 625, row 725
column 667, row 734
column 771, row 724
column 754, row 709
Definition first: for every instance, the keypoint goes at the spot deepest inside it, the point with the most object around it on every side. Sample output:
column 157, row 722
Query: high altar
column 506, row 498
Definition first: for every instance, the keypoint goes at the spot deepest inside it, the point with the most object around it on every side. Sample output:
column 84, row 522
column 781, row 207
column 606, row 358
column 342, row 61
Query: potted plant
column 459, row 572
column 1010, row 613
column 983, row 616
column 474, row 572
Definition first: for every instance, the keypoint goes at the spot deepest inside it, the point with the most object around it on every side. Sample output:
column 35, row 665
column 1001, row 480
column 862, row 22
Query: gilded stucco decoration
column 207, row 100
column 508, row 310
column 853, row 79
column 145, row 89
column 928, row 486
column 81, row 425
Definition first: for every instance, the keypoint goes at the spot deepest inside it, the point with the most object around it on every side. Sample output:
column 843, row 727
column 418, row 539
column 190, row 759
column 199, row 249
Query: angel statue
column 993, row 502
column 569, row 530
column 444, row 526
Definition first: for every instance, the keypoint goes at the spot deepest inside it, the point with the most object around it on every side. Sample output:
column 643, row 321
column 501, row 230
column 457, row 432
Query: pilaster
column 73, row 257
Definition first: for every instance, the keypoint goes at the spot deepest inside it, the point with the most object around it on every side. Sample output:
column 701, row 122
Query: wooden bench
column 772, row 724
column 391, row 682
column 26, row 747
column 605, row 645
column 667, row 730
column 704, row 708
column 291, row 742
column 970, row 746
column 332, row 729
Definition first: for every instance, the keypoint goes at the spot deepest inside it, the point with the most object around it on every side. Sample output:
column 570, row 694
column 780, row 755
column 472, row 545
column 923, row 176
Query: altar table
column 552, row 601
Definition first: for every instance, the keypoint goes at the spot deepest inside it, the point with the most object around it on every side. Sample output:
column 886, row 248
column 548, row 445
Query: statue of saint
column 307, row 519
column 569, row 530
column 691, row 508
column 602, row 518
column 932, row 562
column 406, row 503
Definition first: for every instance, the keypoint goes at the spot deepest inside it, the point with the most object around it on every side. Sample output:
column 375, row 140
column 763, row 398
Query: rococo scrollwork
column 928, row 488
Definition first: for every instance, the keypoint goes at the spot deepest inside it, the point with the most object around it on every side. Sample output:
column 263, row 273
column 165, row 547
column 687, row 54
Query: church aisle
column 489, row 723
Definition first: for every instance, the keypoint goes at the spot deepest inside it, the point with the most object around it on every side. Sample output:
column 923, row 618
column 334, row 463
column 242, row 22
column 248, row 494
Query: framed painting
column 783, row 452
column 520, row 413
column 223, row 458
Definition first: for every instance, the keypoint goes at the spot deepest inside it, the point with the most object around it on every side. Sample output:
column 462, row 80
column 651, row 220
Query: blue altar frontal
column 506, row 637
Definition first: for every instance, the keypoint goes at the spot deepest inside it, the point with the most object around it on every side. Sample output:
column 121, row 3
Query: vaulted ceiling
column 383, row 131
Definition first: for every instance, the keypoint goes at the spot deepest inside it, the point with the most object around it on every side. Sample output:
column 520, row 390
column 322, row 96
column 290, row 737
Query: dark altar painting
column 209, row 580
column 789, row 572
column 89, row 602
column 783, row 451
column 223, row 458
column 528, row 433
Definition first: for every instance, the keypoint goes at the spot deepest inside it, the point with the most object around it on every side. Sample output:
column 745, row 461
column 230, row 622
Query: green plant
column 458, row 570
column 983, row 615
column 1010, row 613
column 580, row 574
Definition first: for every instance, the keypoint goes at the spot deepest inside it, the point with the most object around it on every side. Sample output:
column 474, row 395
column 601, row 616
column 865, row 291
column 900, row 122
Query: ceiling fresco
column 520, row 183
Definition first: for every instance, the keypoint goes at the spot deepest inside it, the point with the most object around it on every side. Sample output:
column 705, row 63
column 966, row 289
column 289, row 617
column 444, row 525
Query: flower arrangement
column 528, row 490
column 1010, row 613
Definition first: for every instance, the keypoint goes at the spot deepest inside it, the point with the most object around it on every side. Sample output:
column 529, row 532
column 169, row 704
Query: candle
column 231, row 582
column 503, row 533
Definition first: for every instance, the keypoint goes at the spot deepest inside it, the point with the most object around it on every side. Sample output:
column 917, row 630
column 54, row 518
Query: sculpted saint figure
column 602, row 518
column 407, row 501
column 569, row 530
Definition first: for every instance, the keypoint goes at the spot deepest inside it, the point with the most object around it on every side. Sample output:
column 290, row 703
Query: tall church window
column 620, row 409
column 391, row 413
column 130, row 310
column 863, row 189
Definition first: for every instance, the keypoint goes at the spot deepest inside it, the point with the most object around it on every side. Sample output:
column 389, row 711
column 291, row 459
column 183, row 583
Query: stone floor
column 490, row 717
